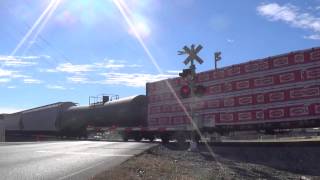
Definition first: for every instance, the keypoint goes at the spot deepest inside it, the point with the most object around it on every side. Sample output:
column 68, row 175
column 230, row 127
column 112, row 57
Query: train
column 43, row 120
column 66, row 119
column 265, row 95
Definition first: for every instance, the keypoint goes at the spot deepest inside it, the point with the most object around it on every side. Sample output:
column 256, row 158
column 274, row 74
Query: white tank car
column 2, row 130
column 40, row 120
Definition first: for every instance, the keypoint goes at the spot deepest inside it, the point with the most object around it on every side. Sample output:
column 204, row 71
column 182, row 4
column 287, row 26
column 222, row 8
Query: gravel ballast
column 172, row 162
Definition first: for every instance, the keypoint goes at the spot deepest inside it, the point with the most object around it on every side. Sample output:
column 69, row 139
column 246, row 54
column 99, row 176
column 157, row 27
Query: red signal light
column 200, row 90
column 185, row 91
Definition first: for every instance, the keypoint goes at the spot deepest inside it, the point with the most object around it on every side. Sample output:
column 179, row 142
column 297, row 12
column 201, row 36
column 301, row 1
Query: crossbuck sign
column 192, row 54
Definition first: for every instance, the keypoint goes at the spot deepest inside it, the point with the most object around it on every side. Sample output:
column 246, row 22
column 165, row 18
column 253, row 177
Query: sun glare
column 140, row 27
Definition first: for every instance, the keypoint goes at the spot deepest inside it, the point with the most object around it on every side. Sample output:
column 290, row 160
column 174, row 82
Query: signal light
column 199, row 90
column 105, row 99
column 185, row 91
column 217, row 56
column 185, row 73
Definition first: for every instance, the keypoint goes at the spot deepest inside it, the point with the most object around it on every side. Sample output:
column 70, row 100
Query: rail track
column 277, row 142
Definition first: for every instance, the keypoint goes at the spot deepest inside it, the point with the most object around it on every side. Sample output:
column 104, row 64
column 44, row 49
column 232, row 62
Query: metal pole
column 193, row 143
column 215, row 64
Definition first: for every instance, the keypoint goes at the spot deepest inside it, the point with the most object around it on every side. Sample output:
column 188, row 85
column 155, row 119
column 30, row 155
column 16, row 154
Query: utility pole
column 192, row 56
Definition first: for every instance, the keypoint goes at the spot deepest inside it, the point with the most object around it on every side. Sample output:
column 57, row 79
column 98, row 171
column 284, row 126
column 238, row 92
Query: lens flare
column 45, row 21
column 34, row 26
column 127, row 15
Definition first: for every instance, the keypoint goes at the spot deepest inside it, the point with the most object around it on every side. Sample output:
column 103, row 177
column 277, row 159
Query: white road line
column 85, row 153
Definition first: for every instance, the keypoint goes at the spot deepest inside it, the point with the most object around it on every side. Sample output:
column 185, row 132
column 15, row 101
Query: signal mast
column 190, row 90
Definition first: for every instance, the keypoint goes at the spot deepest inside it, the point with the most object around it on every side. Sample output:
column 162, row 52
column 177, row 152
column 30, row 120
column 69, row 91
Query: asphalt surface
column 64, row 159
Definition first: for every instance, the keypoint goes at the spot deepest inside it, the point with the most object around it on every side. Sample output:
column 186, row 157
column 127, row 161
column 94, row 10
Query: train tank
column 39, row 120
column 125, row 112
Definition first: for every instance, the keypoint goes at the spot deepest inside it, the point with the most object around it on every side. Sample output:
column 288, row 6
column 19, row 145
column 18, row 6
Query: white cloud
column 110, row 66
column 78, row 79
column 48, row 70
column 133, row 80
column 20, row 61
column 80, row 69
column 276, row 12
column 18, row 75
column 292, row 15
column 45, row 56
column 125, row 79
column 11, row 87
column 5, row 80
column 56, row 87
column 15, row 61
column 174, row 71
column 114, row 64
column 313, row 37
column 28, row 57
column 74, row 68
column 5, row 73
column 230, row 41
column 32, row 81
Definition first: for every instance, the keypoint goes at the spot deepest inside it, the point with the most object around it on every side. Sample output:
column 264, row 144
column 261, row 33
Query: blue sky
column 67, row 50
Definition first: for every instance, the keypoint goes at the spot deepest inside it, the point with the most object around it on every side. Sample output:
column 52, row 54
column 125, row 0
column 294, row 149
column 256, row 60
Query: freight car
column 130, row 112
column 44, row 120
column 2, row 130
column 279, row 92
column 126, row 112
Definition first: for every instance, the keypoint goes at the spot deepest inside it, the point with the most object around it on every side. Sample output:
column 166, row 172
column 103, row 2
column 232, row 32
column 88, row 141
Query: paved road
column 64, row 159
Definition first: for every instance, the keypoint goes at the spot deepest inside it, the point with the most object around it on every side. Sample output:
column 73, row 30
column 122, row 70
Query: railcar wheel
column 125, row 137
column 137, row 138
column 165, row 139
column 197, row 138
column 181, row 138
column 151, row 139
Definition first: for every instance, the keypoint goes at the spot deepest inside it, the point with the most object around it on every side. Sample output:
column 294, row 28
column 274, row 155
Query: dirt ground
column 172, row 162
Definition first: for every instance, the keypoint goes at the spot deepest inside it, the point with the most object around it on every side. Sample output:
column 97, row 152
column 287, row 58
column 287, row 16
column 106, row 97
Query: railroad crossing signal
column 189, row 74
column 192, row 54
column 191, row 89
